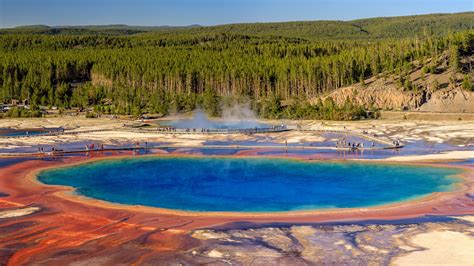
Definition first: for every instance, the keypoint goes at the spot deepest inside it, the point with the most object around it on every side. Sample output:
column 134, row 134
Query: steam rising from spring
column 237, row 116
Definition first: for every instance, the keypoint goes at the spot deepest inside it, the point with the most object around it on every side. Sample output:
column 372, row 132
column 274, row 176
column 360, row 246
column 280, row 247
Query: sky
column 210, row 12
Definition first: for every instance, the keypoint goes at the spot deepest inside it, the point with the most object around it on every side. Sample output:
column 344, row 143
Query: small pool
column 250, row 184
column 7, row 132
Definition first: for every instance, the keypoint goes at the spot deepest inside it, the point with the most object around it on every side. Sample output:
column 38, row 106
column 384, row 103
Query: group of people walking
column 341, row 144
column 166, row 129
column 52, row 151
column 91, row 147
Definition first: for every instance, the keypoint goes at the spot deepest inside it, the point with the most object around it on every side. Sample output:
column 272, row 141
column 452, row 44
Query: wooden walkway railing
column 161, row 131
column 204, row 147
column 367, row 136
column 387, row 142
column 57, row 133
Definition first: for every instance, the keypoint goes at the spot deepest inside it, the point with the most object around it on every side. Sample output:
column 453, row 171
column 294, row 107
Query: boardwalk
column 388, row 144
column 161, row 131
column 203, row 147
column 366, row 136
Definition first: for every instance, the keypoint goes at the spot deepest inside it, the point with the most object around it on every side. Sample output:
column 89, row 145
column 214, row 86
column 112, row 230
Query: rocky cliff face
column 381, row 95
column 389, row 96
column 454, row 100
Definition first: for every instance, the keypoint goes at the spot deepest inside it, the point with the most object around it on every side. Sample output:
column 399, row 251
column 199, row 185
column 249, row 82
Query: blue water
column 249, row 184
column 18, row 133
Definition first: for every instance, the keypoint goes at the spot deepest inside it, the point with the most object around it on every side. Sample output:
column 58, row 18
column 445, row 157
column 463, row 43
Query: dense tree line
column 373, row 28
column 362, row 29
column 162, row 73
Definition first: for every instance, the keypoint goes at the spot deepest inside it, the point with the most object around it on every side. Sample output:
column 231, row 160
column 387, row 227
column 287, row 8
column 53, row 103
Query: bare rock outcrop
column 380, row 94
column 388, row 95
column 454, row 100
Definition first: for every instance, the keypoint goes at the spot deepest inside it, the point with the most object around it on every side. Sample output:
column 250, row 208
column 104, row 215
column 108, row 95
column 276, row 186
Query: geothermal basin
column 230, row 184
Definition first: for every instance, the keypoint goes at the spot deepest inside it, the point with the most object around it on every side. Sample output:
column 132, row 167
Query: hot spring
column 249, row 184
column 241, row 120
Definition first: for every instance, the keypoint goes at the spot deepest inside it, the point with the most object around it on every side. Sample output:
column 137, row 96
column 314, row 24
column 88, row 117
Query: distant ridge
column 112, row 29
column 379, row 27
column 25, row 27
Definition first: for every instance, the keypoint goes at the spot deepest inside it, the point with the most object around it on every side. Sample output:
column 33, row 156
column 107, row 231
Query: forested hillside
column 88, row 30
column 277, row 67
column 373, row 28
